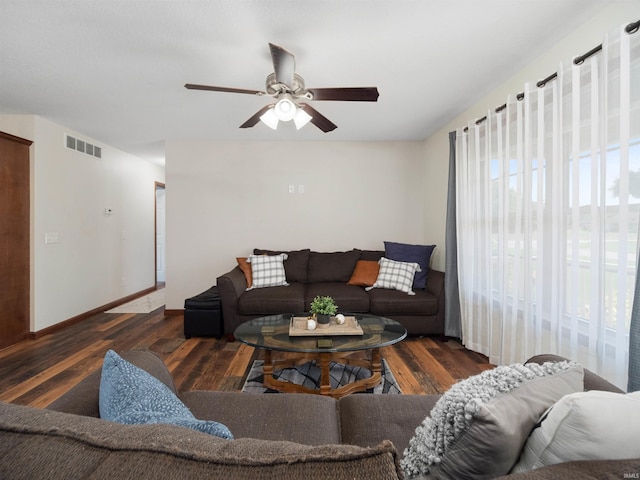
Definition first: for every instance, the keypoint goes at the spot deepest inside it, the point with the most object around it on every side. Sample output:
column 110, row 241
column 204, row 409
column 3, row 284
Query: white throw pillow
column 268, row 270
column 590, row 425
column 396, row 275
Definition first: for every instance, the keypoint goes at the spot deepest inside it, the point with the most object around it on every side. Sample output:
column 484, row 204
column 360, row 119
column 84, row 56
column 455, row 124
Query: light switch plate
column 51, row 237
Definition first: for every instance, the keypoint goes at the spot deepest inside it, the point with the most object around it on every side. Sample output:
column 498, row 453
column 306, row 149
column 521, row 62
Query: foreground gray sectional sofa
column 292, row 436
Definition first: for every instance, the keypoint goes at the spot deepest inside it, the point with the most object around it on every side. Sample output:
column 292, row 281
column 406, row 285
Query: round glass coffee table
column 288, row 333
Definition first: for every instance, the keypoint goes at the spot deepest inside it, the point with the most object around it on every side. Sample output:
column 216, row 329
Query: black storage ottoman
column 203, row 315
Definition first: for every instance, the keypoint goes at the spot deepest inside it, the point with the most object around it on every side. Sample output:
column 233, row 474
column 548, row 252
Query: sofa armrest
column 230, row 286
column 591, row 380
column 435, row 283
column 435, row 286
column 582, row 469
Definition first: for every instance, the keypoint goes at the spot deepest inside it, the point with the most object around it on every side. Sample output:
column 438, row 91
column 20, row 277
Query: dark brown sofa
column 317, row 273
column 276, row 436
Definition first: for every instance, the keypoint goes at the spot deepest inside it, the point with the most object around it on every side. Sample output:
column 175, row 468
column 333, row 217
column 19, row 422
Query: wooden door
column 14, row 239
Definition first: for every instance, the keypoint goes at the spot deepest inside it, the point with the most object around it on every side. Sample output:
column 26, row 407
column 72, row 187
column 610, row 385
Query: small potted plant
column 322, row 308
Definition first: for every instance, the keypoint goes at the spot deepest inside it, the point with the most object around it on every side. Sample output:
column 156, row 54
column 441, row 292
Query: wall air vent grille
column 82, row 146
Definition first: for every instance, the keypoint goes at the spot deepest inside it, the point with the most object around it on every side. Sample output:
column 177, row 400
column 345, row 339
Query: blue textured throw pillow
column 404, row 252
column 132, row 396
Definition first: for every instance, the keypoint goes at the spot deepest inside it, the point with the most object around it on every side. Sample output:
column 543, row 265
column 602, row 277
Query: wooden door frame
column 157, row 186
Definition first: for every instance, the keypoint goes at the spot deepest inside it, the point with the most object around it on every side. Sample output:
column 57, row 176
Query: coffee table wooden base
column 374, row 364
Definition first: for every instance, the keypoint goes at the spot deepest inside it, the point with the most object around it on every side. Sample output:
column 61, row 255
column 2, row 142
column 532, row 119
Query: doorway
column 160, row 247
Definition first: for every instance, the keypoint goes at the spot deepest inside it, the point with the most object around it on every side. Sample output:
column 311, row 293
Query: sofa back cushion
column 371, row 255
column 37, row 443
column 295, row 266
column 332, row 266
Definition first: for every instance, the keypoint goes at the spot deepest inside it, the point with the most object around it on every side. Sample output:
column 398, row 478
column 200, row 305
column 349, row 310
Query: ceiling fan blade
column 256, row 117
column 191, row 86
column 284, row 64
column 349, row 94
column 319, row 120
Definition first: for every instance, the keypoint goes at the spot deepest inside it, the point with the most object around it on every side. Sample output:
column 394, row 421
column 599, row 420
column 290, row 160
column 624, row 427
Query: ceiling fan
column 288, row 88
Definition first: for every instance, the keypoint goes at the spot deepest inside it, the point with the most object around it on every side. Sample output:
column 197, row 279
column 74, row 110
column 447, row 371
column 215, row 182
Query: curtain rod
column 632, row 28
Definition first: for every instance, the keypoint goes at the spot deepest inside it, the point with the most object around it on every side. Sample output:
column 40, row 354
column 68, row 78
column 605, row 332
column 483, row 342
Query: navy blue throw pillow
column 420, row 254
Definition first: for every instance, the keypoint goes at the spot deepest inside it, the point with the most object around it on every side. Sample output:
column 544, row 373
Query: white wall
column 436, row 148
column 226, row 198
column 99, row 258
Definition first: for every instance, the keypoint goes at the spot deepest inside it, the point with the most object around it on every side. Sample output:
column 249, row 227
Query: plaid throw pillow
column 396, row 275
column 267, row 270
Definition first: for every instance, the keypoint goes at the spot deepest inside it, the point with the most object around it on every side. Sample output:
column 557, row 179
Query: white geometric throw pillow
column 396, row 275
column 268, row 270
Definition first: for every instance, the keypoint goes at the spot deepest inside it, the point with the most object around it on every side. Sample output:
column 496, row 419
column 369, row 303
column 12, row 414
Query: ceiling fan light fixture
column 285, row 109
column 270, row 119
column 287, row 88
column 301, row 118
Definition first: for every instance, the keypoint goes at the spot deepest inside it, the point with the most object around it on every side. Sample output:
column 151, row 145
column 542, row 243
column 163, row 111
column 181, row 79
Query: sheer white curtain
column 548, row 204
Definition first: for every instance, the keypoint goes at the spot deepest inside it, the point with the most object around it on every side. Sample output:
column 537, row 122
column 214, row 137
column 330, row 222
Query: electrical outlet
column 300, row 188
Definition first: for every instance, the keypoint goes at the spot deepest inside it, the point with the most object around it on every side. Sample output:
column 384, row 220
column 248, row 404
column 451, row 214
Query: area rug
column 308, row 375
column 146, row 304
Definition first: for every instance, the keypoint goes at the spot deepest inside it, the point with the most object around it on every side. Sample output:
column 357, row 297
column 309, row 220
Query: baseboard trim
column 173, row 312
column 90, row 313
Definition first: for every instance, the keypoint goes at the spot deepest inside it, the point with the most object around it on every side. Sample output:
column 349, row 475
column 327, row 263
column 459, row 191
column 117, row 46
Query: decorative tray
column 298, row 328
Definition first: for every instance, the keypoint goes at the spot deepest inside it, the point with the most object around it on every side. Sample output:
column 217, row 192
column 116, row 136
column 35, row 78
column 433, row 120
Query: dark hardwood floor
column 36, row 372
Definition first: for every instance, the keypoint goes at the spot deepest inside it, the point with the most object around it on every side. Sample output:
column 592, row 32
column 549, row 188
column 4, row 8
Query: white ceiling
column 115, row 69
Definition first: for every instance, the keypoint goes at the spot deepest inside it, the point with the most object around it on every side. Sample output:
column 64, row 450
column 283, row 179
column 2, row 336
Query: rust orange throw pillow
column 246, row 269
column 365, row 274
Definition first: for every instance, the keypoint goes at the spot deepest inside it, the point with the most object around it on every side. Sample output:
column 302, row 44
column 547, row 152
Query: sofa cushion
column 288, row 417
column 478, row 428
column 130, row 395
column 267, row 270
column 396, row 418
column 420, row 254
column 34, row 443
column 267, row 301
column 349, row 298
column 372, row 255
column 585, row 426
column 396, row 275
column 332, row 266
column 387, row 302
column 296, row 264
column 365, row 273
